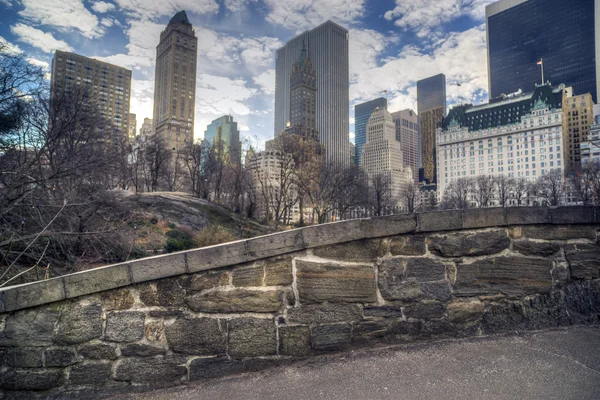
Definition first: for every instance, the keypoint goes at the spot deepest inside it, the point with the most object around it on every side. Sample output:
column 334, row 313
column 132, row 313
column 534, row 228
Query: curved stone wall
column 250, row 304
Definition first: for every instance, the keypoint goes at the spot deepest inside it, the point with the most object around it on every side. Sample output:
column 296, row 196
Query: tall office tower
column 407, row 133
column 224, row 134
column 590, row 149
column 578, row 116
column 175, row 82
column 353, row 154
column 431, row 103
column 560, row 32
column 382, row 153
column 328, row 51
column 362, row 113
column 146, row 128
column 109, row 88
column 132, row 128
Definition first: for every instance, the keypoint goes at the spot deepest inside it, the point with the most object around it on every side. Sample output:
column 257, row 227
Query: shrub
column 212, row 235
column 178, row 240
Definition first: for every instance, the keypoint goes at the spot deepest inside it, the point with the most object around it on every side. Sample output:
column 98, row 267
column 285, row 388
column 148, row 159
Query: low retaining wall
column 251, row 304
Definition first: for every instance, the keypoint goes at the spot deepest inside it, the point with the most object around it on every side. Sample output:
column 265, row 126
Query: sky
column 392, row 44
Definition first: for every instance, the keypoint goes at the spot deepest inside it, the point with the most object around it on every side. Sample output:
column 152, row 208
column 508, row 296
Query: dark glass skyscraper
column 431, row 103
column 561, row 32
column 362, row 112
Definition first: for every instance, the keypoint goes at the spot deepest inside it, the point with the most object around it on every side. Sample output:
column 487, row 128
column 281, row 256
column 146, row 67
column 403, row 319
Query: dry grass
column 212, row 235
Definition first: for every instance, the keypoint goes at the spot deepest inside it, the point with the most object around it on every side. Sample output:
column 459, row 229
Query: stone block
column 366, row 331
column 155, row 331
column 504, row 275
column 220, row 255
column 166, row 313
column 324, row 313
column 357, row 251
column 198, row 336
column 409, row 245
column 30, row 327
column 337, row 232
column 125, row 326
column 32, row 294
column 391, row 277
column 24, row 358
column 294, row 341
column 32, row 379
column 433, row 221
column 330, row 337
column 469, row 244
column 425, row 269
column 278, row 272
column 582, row 300
column 252, row 337
column 527, row 215
column 118, row 299
column 383, row 311
column 209, row 280
column 98, row 351
column 440, row 291
column 90, row 373
column 155, row 370
column 248, row 275
column 321, row 282
column 550, row 232
column 149, row 269
column 424, row 311
column 169, row 293
column 148, row 294
column 141, row 350
column 79, row 324
column 483, row 217
column 530, row 248
column 572, row 215
column 461, row 312
column 96, row 280
column 236, row 301
column 215, row 367
column 389, row 225
column 410, row 328
column 59, row 357
column 584, row 260
column 275, row 244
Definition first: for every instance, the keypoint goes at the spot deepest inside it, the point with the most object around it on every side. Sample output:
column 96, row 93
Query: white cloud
column 63, row 14
column 365, row 46
column 142, row 99
column 266, row 81
column 8, row 47
column 103, row 7
column 300, row 15
column 145, row 9
column 44, row 41
column 238, row 5
column 39, row 63
column 219, row 95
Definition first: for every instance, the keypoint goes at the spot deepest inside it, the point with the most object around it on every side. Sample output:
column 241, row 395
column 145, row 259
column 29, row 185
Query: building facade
column 590, row 149
column 224, row 134
column 175, row 82
column 431, row 103
column 132, row 128
column 561, row 32
column 362, row 113
column 146, row 128
column 518, row 137
column 328, row 50
column 407, row 133
column 108, row 85
column 578, row 116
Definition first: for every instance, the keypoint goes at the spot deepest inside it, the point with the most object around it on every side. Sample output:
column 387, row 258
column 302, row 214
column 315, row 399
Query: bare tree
column 457, row 194
column 520, row 189
column 593, row 170
column 381, row 197
column 484, row 189
column 505, row 186
column 581, row 183
column 410, row 194
column 156, row 157
column 551, row 188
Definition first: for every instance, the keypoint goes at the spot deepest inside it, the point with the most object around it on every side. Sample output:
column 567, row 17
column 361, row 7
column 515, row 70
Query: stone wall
column 252, row 304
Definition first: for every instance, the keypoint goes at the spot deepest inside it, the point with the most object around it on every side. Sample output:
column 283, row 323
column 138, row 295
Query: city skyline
column 235, row 64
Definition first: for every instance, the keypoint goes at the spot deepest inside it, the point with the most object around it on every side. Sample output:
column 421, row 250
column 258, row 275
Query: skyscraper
column 132, row 128
column 224, row 132
column 175, row 82
column 362, row 112
column 328, row 50
column 109, row 85
column 561, row 32
column 407, row 133
column 431, row 101
column 578, row 116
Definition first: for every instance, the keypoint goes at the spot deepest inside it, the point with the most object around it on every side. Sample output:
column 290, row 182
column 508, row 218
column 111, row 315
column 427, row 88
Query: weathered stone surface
column 217, row 256
column 154, row 331
column 170, row 293
column 199, row 336
column 440, row 221
column 59, row 357
column 259, row 364
column 410, row 328
column 483, row 217
column 236, row 301
column 527, row 215
column 97, row 280
column 79, row 324
column 248, row 275
column 151, row 370
column 205, row 368
column 582, row 299
column 368, row 330
column 530, row 248
column 357, row 251
column 148, row 269
column 24, row 358
column 553, row 232
column 383, row 311
column 584, row 260
column 324, row 313
column 320, row 282
column 389, row 225
column 424, row 269
column 166, row 313
column 274, row 244
column 210, row 280
column 330, row 337
column 278, row 272
column 294, row 341
column 410, row 245
column 504, row 275
column 251, row 337
column 424, row 311
column 464, row 312
column 90, row 373
column 32, row 294
column 98, row 351
column 390, row 278
column 148, row 294
column 32, row 379
column 469, row 244
column 337, row 232
column 439, row 290
column 30, row 327
column 572, row 215
column 118, row 299
column 141, row 350
column 125, row 326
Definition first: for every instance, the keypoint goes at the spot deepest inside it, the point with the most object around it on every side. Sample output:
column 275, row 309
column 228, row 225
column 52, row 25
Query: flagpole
column 542, row 64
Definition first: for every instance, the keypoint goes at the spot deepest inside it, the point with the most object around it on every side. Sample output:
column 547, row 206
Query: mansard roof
column 180, row 18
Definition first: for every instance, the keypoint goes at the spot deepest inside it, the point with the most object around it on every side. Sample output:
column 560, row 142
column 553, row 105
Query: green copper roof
column 180, row 18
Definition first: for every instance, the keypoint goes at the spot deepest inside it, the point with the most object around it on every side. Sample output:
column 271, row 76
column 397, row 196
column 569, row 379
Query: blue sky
column 393, row 43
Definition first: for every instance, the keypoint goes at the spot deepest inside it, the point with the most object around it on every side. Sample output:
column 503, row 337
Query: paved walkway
column 558, row 364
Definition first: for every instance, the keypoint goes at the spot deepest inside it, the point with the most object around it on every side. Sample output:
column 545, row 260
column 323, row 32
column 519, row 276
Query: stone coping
column 191, row 261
